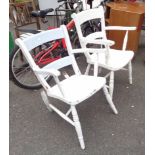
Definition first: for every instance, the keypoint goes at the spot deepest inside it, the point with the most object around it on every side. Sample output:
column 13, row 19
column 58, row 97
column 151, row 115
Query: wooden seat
column 117, row 60
column 72, row 86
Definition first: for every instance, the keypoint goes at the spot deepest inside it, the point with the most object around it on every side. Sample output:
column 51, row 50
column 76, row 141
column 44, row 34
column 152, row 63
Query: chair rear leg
column 46, row 101
column 109, row 99
column 111, row 83
column 99, row 70
column 87, row 69
column 130, row 72
column 78, row 126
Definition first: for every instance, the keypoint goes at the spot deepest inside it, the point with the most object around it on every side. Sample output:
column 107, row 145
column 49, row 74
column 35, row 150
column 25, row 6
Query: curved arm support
column 121, row 28
column 89, row 50
column 97, row 38
column 52, row 72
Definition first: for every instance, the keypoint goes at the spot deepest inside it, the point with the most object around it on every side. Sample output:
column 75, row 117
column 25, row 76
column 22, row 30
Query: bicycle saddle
column 28, row 30
column 41, row 13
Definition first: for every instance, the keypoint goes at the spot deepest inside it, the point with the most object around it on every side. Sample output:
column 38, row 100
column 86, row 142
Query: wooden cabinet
column 125, row 14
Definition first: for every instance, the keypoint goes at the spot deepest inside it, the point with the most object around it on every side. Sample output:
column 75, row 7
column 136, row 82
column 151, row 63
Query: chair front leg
column 109, row 99
column 46, row 101
column 78, row 126
column 130, row 72
column 111, row 83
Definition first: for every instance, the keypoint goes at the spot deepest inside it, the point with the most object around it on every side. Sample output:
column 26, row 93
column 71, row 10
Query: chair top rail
column 43, row 37
column 63, row 62
column 88, row 15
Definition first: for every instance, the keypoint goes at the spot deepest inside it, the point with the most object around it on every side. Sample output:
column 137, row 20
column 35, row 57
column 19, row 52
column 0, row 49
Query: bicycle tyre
column 23, row 69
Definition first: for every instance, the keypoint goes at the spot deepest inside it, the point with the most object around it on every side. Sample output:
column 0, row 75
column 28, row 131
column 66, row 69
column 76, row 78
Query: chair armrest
column 52, row 71
column 97, row 38
column 99, row 41
column 122, row 28
column 89, row 50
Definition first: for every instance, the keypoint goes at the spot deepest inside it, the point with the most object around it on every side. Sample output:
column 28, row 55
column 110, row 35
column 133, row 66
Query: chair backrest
column 88, row 15
column 33, row 41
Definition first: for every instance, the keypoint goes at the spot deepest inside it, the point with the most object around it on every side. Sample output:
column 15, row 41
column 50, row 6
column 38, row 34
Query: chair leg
column 46, row 101
column 109, row 99
column 111, row 83
column 87, row 69
column 99, row 70
column 130, row 72
column 96, row 69
column 78, row 126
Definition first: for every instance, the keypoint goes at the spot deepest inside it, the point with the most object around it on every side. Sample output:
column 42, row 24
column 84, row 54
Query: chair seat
column 77, row 88
column 117, row 59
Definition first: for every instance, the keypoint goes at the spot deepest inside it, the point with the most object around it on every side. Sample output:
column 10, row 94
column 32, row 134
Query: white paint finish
column 110, row 59
column 72, row 90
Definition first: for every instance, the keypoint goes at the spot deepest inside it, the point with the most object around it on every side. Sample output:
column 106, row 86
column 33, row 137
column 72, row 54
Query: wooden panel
column 124, row 15
column 133, row 7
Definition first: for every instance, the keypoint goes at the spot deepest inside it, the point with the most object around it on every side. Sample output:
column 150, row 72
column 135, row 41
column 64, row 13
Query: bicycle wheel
column 21, row 73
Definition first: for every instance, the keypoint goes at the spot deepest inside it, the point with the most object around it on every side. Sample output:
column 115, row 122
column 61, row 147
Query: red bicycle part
column 70, row 25
column 42, row 57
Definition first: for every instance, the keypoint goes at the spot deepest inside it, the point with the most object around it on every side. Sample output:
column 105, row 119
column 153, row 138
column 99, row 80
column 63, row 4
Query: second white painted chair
column 110, row 59
column 72, row 90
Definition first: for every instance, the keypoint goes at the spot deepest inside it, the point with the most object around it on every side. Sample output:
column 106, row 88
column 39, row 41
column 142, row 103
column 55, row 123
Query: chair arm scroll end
column 52, row 71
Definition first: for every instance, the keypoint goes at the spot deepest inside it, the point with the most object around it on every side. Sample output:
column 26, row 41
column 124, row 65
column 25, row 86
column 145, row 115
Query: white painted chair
column 110, row 59
column 72, row 90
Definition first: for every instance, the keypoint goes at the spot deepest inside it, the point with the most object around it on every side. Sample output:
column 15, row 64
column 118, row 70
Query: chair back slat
column 63, row 62
column 43, row 37
column 88, row 15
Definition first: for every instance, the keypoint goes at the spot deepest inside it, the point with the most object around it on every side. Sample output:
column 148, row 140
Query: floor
column 36, row 131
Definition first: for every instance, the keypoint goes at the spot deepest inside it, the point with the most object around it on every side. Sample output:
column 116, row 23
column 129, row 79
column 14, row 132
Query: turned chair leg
column 130, row 72
column 109, row 99
column 78, row 127
column 111, row 83
column 46, row 101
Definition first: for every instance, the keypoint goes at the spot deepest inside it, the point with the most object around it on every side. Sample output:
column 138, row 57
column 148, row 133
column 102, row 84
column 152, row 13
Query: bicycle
column 20, row 71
